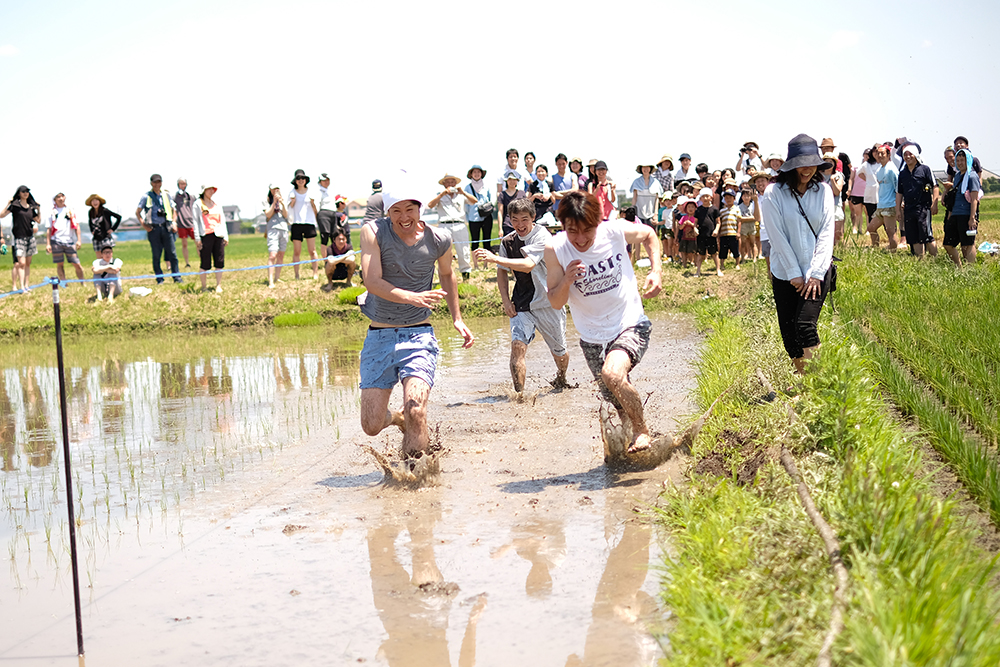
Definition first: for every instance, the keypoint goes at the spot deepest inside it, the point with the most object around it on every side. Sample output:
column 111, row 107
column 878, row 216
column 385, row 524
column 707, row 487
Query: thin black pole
column 69, row 474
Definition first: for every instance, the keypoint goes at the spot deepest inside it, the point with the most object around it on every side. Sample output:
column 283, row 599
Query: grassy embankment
column 749, row 582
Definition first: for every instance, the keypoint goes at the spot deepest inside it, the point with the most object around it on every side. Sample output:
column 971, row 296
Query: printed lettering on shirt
column 602, row 277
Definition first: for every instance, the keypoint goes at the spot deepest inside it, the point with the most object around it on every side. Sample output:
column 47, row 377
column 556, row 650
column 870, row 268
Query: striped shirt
column 729, row 221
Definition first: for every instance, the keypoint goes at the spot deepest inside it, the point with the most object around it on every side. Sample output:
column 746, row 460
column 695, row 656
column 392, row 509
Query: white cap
column 705, row 191
column 398, row 188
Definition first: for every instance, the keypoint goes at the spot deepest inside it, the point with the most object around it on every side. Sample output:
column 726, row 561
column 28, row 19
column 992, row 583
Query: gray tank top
column 407, row 267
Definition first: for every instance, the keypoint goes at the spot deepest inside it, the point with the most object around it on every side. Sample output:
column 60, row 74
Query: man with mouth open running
column 589, row 267
column 398, row 254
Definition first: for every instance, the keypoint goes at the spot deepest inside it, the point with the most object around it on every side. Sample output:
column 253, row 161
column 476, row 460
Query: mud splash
column 528, row 550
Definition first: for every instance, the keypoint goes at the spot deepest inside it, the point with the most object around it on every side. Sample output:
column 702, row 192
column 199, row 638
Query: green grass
column 298, row 320
column 747, row 581
column 939, row 322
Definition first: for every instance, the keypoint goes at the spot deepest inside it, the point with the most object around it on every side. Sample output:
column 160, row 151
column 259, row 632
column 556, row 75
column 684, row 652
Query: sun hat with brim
column 830, row 156
column 468, row 175
column 774, row 156
column 760, row 174
column 730, row 181
column 512, row 174
column 97, row 197
column 652, row 168
column 803, row 152
column 302, row 173
column 668, row 195
column 666, row 158
column 208, row 187
column 447, row 176
column 592, row 162
column 751, row 143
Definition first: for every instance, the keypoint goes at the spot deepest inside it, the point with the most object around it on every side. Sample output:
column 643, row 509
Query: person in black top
column 540, row 192
column 25, row 210
column 102, row 223
column 917, row 195
column 708, row 218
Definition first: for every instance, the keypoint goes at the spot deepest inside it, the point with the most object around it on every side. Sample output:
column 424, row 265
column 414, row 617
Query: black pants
column 212, row 249
column 870, row 210
column 482, row 230
column 797, row 316
column 326, row 221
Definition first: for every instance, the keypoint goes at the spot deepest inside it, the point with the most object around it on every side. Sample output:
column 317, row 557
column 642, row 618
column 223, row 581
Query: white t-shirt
column 871, row 182
column 326, row 202
column 646, row 197
column 606, row 301
column 301, row 210
column 451, row 208
column 99, row 264
column 61, row 220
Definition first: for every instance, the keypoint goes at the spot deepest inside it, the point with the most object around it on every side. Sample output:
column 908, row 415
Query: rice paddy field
column 894, row 430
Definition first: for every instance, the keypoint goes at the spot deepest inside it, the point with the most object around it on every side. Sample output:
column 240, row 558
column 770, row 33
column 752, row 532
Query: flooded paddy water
column 227, row 513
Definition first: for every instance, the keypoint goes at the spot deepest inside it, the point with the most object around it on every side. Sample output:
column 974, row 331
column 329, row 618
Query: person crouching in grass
column 107, row 273
column 522, row 251
column 340, row 262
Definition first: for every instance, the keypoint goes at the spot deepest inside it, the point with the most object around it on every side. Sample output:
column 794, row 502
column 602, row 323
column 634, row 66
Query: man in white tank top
column 589, row 268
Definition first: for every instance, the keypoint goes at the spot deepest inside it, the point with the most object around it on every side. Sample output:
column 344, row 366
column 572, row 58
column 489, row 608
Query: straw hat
column 447, row 176
column 666, row 158
column 98, row 197
column 652, row 168
column 592, row 162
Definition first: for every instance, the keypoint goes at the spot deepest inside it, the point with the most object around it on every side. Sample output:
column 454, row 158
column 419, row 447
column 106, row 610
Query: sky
column 239, row 94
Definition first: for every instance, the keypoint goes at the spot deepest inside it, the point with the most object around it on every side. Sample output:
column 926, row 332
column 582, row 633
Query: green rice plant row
column 747, row 580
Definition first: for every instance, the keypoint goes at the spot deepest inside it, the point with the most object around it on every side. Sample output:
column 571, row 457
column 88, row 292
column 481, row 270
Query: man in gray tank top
column 398, row 254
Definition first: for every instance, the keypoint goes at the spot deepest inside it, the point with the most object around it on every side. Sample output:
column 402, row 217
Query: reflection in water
column 414, row 608
column 150, row 426
column 614, row 637
column 541, row 542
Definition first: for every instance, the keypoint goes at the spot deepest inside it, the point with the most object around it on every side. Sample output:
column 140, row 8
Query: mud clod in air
column 292, row 528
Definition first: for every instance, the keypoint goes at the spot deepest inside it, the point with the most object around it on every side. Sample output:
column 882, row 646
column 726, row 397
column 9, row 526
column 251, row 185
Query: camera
column 160, row 213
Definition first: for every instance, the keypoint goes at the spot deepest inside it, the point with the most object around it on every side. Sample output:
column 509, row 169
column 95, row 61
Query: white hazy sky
column 100, row 94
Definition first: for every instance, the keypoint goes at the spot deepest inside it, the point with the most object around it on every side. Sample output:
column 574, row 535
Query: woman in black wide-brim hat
column 797, row 211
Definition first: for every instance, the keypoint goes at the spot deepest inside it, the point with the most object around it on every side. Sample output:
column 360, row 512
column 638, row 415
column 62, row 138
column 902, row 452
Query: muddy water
column 288, row 549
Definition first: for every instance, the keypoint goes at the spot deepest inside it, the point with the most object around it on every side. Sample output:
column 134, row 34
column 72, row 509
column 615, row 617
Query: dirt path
column 529, row 552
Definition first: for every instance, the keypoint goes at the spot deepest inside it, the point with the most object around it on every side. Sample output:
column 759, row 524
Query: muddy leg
column 416, row 393
column 562, row 363
column 615, row 377
column 517, row 365
column 375, row 414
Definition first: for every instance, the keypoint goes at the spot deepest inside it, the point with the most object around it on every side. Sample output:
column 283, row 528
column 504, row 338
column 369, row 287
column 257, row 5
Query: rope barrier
column 147, row 276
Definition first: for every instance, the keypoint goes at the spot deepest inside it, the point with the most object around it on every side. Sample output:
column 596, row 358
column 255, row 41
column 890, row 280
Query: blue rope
column 90, row 281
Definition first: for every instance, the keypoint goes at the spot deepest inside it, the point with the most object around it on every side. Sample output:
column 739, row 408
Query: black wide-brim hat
column 803, row 151
column 302, row 173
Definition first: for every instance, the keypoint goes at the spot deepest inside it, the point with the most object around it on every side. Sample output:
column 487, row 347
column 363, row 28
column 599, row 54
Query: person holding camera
column 159, row 225
column 749, row 155
column 449, row 204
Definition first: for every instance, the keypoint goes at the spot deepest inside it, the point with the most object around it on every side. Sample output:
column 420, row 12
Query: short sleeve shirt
column 887, row 177
column 916, row 186
column 962, row 205
column 529, row 288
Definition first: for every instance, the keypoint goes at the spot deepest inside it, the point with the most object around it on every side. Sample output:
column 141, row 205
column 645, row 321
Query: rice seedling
column 747, row 582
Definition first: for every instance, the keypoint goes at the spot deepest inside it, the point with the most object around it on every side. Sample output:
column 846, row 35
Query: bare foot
column 560, row 383
column 398, row 421
column 641, row 443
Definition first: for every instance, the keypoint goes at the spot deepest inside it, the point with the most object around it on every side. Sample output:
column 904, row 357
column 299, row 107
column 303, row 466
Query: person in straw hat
column 665, row 173
column 646, row 191
column 102, row 222
column 449, row 204
column 398, row 255
column 797, row 211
